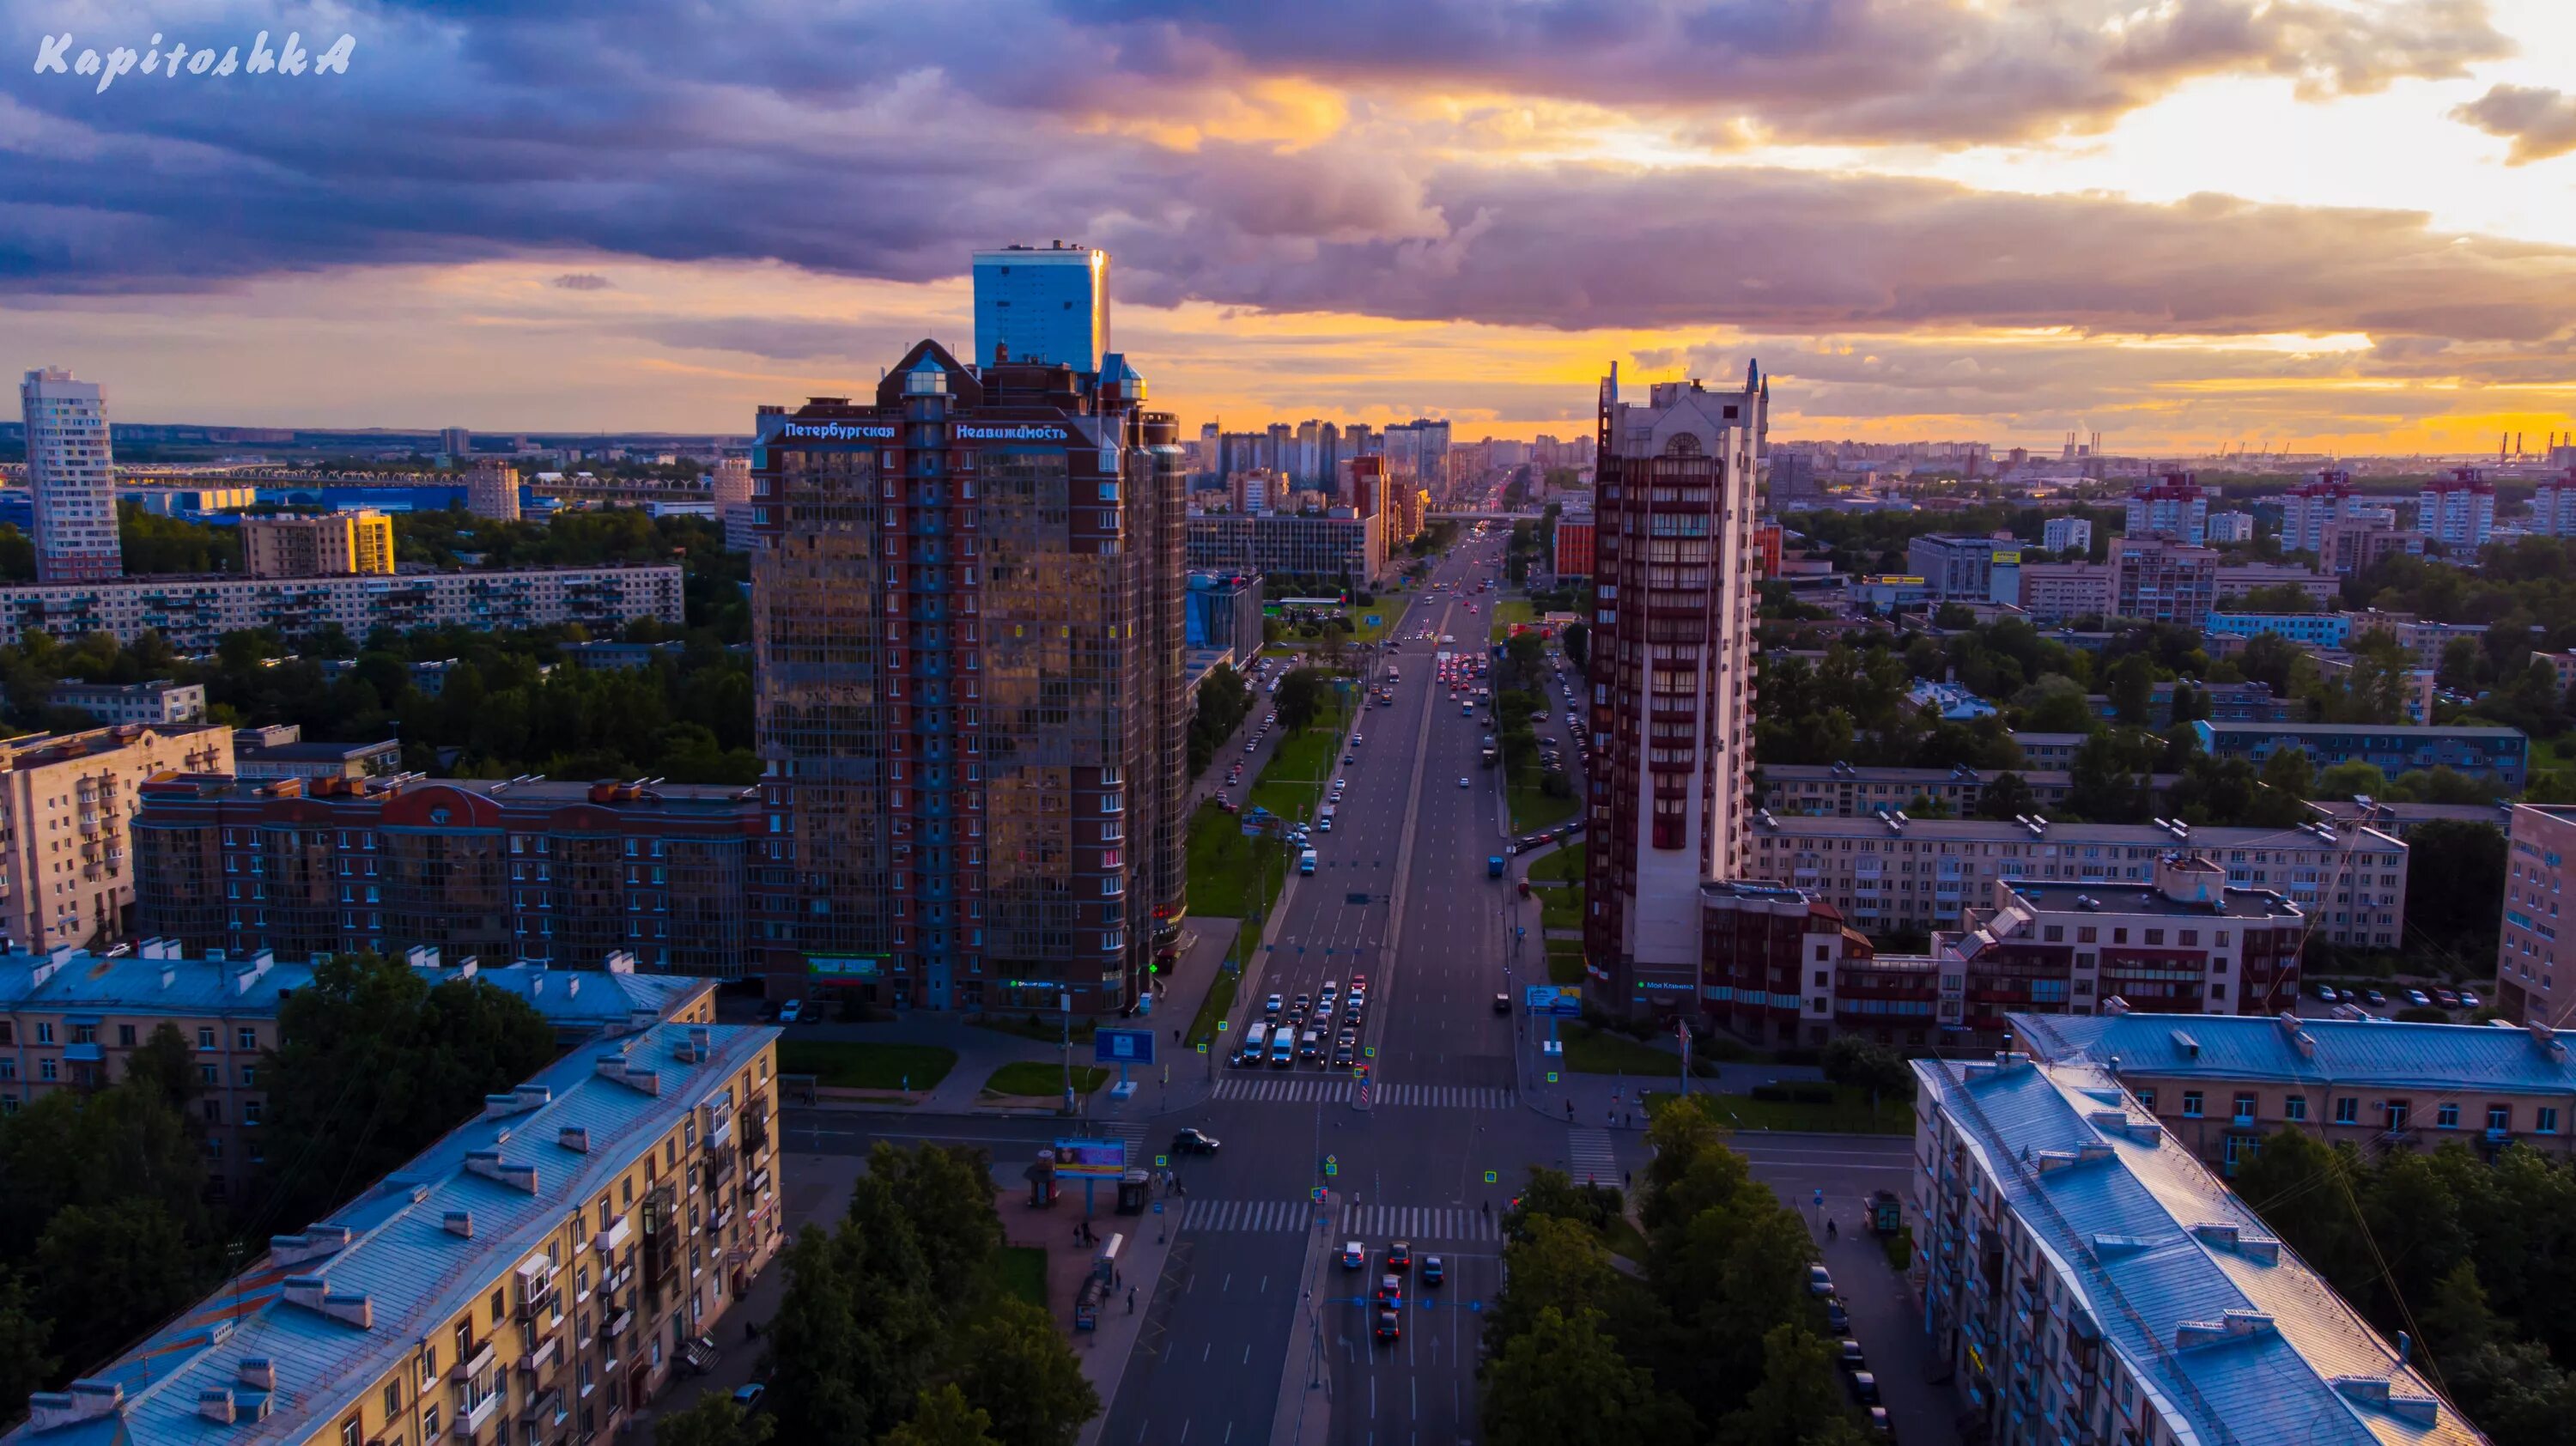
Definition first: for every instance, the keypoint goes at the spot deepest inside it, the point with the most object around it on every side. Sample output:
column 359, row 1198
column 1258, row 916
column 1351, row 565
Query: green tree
column 945, row 1194
column 27, row 1364
column 1577, row 640
column 2006, row 796
column 1800, row 1394
column 2133, row 690
column 1564, row 1380
column 1300, row 699
column 1852, row 1060
column 1015, row 1367
column 2350, row 780
column 68, row 1149
column 108, row 1272
column 942, row 1418
column 166, row 1064
column 714, row 1420
column 2455, row 882
column 1554, row 1263
column 372, row 1065
column 2303, row 1188
column 2054, row 705
column 852, row 1342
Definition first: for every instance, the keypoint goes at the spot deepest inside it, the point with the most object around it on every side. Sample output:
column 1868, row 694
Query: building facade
column 492, row 491
column 1671, row 676
column 2174, row 509
column 1042, row 304
column 2085, row 1278
column 1843, row 790
column 71, row 479
column 2494, row 754
column 968, row 643
column 2308, row 509
column 1918, row 875
column 2553, row 506
column 1574, row 545
column 161, row 702
column 65, row 802
column 2235, row 580
column 2060, row 533
column 2539, row 841
column 2222, row 1085
column 2457, row 511
column 1965, row 568
column 194, row 613
column 339, row 544
column 1223, row 610
column 1335, row 544
column 2060, row 592
column 2162, row 582
column 550, row 873
column 2231, row 527
column 546, row 1270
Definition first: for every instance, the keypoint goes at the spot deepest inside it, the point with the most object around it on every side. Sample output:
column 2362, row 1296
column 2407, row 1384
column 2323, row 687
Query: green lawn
column 1565, row 866
column 1225, row 867
column 1518, row 610
column 1218, row 1004
column 1560, row 907
column 1565, row 966
column 1293, row 781
column 1595, row 1051
column 1039, row 1027
column 1849, row 1114
column 1533, row 810
column 1041, row 1079
column 1023, row 1270
column 851, row 1064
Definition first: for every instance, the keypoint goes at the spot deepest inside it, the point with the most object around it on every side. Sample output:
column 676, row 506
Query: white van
column 1283, row 1047
column 1324, row 819
column 1256, row 1042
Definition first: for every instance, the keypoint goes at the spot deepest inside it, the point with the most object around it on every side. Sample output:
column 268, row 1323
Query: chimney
column 215, row 1403
column 490, row 1165
column 574, row 1138
column 257, row 1374
column 83, row 1400
column 459, row 1223
column 313, row 1244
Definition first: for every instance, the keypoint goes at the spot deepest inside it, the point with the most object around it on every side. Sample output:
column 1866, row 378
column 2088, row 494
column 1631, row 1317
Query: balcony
column 471, row 1419
column 539, row 1364
column 476, row 1363
column 618, row 1323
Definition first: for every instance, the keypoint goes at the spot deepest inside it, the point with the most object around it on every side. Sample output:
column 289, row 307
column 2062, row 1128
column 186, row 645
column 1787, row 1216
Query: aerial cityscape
column 1761, row 723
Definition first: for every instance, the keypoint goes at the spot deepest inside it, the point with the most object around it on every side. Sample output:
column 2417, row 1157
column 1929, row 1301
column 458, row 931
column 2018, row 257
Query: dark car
column 2446, row 999
column 1837, row 1319
column 1390, row 1293
column 1879, row 1423
column 1343, row 1056
column 1399, row 1256
column 1389, row 1329
column 1864, row 1388
column 1850, row 1359
column 1195, row 1142
column 1433, row 1272
column 1502, row 1004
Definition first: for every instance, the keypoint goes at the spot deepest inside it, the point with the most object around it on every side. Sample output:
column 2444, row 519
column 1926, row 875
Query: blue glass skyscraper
column 1047, row 304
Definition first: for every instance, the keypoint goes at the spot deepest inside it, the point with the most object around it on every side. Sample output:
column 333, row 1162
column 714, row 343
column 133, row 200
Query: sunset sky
column 2342, row 225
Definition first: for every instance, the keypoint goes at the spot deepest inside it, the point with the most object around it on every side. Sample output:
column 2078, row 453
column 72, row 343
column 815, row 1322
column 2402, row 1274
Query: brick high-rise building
column 71, row 478
column 1671, row 673
column 967, row 622
column 492, row 491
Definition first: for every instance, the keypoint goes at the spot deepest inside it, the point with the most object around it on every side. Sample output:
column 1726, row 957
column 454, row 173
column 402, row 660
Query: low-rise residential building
column 1916, row 875
column 2050, row 750
column 2060, row 592
column 2085, row 1278
column 1846, row 790
column 2231, row 527
column 194, row 613
column 2315, row 630
column 2220, row 1084
column 508, row 869
column 2397, row 820
column 65, row 799
column 2496, row 755
column 2227, row 702
column 2237, row 579
column 161, row 702
column 546, row 1269
column 281, row 752
column 2060, row 533
column 72, row 1020
column 1954, row 703
column 2538, row 843
column 2362, row 543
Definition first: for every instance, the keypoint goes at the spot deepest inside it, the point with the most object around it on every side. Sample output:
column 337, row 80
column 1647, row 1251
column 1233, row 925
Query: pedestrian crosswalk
column 1455, row 1097
column 1417, row 1224
column 1286, row 1091
column 1270, row 1215
column 1338, row 1091
column 1589, row 1157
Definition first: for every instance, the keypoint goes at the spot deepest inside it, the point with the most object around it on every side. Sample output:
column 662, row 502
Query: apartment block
column 338, row 544
column 2162, row 582
column 2223, row 702
column 2539, row 841
column 2086, row 1278
column 2345, row 548
column 492, row 491
column 2174, row 508
column 2054, row 593
column 1916, row 875
column 64, row 801
column 2457, row 511
column 2308, row 509
column 194, row 613
column 2231, row 527
column 545, row 1270
column 2553, row 506
column 70, row 1019
column 1338, row 543
column 1671, row 677
column 2221, row 1084
column 525, row 869
column 2060, row 533
column 1844, row 790
column 161, row 703
column 2498, row 755
column 71, row 479
column 2237, row 579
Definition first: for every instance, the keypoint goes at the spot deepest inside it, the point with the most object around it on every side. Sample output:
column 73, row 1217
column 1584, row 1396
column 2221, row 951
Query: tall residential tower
column 1049, row 305
column 1671, row 676
column 71, row 479
column 967, row 633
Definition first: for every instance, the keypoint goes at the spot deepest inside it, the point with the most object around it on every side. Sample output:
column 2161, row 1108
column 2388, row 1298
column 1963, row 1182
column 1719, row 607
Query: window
column 2244, row 1107
column 2147, row 1100
column 209, row 1075
column 250, row 1112
column 125, row 1035
column 393, row 1399
column 246, row 1038
column 2499, row 1118
column 44, row 1033
column 350, row 1434
column 2191, row 1104
column 2294, row 1107
column 206, row 1038
column 2544, row 1120
column 2447, row 1116
column 2347, row 1110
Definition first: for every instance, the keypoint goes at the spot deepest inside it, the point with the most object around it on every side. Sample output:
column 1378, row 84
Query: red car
column 1399, row 1256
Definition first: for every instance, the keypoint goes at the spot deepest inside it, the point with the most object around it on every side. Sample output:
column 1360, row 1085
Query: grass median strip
column 1848, row 1113
column 865, row 1065
column 1038, row 1079
column 1597, row 1051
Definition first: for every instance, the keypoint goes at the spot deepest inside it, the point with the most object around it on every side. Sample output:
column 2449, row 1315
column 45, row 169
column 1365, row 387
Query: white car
column 792, row 1011
column 1462, row 780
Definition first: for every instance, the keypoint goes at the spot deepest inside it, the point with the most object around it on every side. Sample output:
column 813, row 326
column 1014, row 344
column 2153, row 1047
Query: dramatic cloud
column 580, row 281
column 2540, row 120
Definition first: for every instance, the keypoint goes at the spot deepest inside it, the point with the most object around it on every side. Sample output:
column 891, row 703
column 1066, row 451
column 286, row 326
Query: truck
column 1493, row 866
column 1488, row 757
column 1306, row 861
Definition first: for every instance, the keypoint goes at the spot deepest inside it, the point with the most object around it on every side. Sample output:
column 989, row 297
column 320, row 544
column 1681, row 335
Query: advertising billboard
column 1090, row 1159
column 1122, row 1046
column 831, row 968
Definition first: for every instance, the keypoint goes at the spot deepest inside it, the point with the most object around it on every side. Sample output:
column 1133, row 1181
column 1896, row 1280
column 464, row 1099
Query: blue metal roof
column 2431, row 1057
column 2156, row 1248
column 582, row 1001
column 416, row 1274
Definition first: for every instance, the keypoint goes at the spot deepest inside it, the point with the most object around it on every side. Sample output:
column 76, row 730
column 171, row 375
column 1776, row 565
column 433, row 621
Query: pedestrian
column 1829, row 1229
column 1628, row 1119
column 1628, row 1178
column 1569, row 1110
column 1077, row 1232
column 1131, row 1300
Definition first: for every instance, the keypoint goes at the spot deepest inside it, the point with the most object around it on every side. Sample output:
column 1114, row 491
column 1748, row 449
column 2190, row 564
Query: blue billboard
column 1122, row 1046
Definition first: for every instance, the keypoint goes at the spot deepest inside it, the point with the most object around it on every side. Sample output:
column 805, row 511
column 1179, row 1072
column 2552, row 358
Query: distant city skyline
column 2332, row 227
